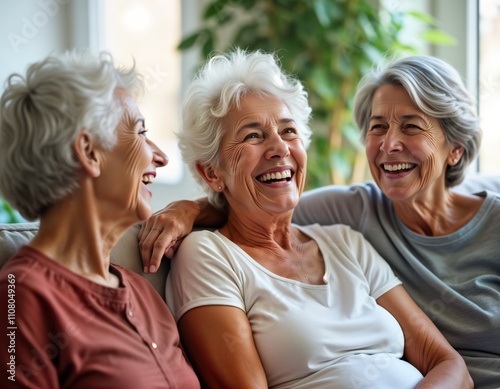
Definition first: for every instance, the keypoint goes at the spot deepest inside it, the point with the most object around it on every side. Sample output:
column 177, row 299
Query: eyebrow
column 259, row 124
column 405, row 117
column 140, row 121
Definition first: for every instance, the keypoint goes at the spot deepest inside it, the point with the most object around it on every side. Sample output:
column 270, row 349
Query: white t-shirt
column 307, row 336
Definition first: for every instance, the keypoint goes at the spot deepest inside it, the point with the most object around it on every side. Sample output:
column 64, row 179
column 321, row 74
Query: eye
column 412, row 128
column 377, row 128
column 252, row 135
column 290, row 130
column 143, row 131
column 289, row 133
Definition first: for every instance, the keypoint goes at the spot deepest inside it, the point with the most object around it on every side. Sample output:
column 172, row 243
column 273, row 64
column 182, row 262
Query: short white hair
column 216, row 89
column 42, row 112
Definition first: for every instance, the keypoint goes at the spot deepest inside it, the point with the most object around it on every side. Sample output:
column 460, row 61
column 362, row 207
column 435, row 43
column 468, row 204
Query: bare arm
column 425, row 347
column 162, row 233
column 219, row 343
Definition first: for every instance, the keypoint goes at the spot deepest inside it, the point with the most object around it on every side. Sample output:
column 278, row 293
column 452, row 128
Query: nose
column 391, row 142
column 159, row 157
column 277, row 147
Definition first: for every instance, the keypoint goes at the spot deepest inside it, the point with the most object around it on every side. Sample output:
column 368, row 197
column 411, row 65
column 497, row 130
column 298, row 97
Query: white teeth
column 147, row 179
column 396, row 167
column 275, row 176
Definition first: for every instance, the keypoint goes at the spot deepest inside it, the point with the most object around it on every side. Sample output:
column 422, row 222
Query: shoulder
column 332, row 204
column 495, row 197
column 201, row 235
column 369, row 189
column 204, row 251
column 204, row 242
column 339, row 233
column 27, row 268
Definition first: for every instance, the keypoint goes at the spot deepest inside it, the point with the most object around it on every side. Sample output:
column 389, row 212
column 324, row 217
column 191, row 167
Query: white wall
column 29, row 29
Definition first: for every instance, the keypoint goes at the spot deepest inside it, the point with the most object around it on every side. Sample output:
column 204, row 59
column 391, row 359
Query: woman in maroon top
column 74, row 155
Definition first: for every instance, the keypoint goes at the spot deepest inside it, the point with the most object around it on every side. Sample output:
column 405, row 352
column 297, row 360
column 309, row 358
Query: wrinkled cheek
column 429, row 168
column 371, row 151
column 134, row 168
column 232, row 161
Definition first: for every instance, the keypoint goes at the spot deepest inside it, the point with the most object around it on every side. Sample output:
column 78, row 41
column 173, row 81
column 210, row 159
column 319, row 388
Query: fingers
column 169, row 253
column 162, row 233
column 153, row 244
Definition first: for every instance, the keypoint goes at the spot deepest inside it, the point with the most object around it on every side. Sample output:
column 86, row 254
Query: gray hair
column 217, row 88
column 437, row 90
column 41, row 114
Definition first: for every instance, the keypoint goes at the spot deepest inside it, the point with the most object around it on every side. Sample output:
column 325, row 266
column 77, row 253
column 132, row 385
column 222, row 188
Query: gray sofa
column 126, row 252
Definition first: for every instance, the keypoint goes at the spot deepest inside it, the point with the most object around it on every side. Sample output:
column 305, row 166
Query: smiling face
column 406, row 148
column 130, row 165
column 262, row 157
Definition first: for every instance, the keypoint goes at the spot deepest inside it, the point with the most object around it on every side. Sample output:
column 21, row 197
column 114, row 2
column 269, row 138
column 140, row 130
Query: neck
column 440, row 214
column 259, row 230
column 72, row 234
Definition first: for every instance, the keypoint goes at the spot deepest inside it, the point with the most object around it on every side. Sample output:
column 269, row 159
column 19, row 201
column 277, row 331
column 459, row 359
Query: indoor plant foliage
column 7, row 214
column 328, row 45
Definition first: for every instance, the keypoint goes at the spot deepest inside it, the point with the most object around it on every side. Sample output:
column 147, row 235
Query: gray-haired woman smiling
column 74, row 154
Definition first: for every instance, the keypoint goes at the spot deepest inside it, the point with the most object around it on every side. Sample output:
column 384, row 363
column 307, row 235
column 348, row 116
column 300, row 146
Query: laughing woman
column 74, row 154
column 262, row 302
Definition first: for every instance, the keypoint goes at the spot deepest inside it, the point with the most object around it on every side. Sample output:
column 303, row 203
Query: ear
column 210, row 176
column 87, row 153
column 455, row 155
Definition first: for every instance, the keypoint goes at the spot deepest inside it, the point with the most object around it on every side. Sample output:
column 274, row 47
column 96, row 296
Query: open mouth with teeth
column 268, row 178
column 147, row 179
column 398, row 167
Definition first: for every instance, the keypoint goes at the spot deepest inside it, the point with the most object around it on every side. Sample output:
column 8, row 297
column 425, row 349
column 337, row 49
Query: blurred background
column 328, row 44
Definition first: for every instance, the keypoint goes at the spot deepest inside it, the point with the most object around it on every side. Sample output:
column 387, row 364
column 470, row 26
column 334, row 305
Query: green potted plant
column 329, row 45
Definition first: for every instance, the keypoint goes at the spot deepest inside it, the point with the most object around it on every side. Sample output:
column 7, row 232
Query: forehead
column 260, row 106
column 131, row 116
column 127, row 102
column 387, row 96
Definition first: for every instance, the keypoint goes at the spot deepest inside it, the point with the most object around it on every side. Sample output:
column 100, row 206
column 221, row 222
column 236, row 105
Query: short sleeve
column 203, row 272
column 378, row 273
column 333, row 204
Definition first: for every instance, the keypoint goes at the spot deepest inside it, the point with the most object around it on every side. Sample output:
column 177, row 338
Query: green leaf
column 8, row 214
column 438, row 37
column 322, row 82
column 423, row 17
column 189, row 41
column 208, row 46
column 212, row 9
column 321, row 13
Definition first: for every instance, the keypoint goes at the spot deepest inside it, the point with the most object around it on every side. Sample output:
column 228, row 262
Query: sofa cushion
column 125, row 253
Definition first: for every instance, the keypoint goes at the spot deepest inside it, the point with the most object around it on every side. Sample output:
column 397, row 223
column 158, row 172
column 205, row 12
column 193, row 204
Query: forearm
column 449, row 374
column 204, row 214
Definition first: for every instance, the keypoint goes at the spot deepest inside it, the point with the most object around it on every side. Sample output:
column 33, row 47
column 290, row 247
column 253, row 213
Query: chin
column 143, row 213
column 396, row 194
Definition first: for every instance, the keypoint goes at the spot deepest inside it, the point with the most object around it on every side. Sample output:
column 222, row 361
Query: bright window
column 489, row 85
column 148, row 32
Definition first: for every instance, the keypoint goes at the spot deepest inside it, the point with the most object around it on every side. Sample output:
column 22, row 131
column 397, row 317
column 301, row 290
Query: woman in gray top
column 421, row 132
